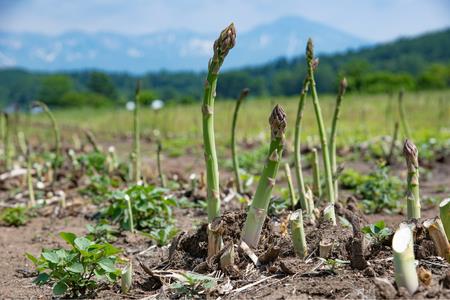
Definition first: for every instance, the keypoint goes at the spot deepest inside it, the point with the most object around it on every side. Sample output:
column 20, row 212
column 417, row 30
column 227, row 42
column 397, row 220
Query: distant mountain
column 173, row 50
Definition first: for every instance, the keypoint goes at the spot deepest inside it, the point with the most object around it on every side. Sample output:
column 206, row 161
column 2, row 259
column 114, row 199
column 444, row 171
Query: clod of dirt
column 385, row 288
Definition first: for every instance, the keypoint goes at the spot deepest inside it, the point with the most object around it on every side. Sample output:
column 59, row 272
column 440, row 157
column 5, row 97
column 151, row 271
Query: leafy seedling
column 15, row 216
column 377, row 232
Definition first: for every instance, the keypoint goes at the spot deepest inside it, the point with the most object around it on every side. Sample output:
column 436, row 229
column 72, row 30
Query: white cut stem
column 298, row 234
column 325, row 248
column 444, row 212
column 215, row 242
column 127, row 277
column 404, row 262
column 436, row 230
column 328, row 213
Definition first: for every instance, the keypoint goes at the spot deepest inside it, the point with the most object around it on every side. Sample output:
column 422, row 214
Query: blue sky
column 376, row 20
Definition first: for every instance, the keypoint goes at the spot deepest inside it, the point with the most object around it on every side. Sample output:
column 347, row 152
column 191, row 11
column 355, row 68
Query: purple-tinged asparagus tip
column 310, row 51
column 411, row 154
column 343, row 86
column 225, row 42
column 277, row 122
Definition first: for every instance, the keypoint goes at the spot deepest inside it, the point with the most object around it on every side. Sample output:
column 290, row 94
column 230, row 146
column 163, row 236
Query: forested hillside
column 411, row 63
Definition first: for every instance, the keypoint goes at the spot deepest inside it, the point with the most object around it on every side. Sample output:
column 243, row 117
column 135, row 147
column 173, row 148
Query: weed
column 78, row 271
column 377, row 232
column 15, row 216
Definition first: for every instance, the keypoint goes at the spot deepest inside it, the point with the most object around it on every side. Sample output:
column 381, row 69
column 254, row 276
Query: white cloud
column 11, row 43
column 6, row 61
column 48, row 55
column 74, row 56
column 264, row 40
column 110, row 43
column 195, row 46
column 134, row 53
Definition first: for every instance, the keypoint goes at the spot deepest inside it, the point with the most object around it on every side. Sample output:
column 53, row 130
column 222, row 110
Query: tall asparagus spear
column 297, row 148
column 162, row 178
column 312, row 64
column 222, row 46
column 258, row 209
column 56, row 132
column 412, row 162
column 337, row 109
column 7, row 142
column 242, row 96
column 403, row 120
column 317, row 189
column 137, row 135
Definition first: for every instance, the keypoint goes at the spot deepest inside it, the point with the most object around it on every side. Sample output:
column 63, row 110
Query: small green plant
column 151, row 208
column 102, row 232
column 334, row 263
column 79, row 271
column 377, row 232
column 377, row 191
column 15, row 216
column 192, row 285
column 164, row 235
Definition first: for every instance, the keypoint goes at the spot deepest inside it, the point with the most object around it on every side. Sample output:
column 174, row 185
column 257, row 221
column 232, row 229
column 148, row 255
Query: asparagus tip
column 411, row 153
column 310, row 50
column 277, row 121
column 343, row 86
column 225, row 42
column 244, row 93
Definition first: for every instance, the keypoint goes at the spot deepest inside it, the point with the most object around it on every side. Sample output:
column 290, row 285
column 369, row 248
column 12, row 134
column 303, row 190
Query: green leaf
column 51, row 256
column 69, row 237
column 76, row 268
column 42, row 278
column 107, row 264
column 110, row 250
column 33, row 259
column 82, row 243
column 60, row 288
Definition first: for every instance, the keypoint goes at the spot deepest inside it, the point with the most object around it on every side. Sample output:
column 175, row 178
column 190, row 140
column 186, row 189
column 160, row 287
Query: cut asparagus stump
column 444, row 212
column 337, row 109
column 127, row 277
column 258, row 208
column 298, row 234
column 413, row 197
column 405, row 268
column 329, row 213
column 222, row 46
column 297, row 148
column 237, row 177
column 436, row 231
column 312, row 65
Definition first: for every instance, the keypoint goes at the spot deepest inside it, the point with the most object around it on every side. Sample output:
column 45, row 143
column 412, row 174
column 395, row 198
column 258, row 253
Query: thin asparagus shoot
column 412, row 162
column 298, row 234
column 287, row 169
column 92, row 140
column 405, row 269
column 258, row 209
column 317, row 189
column 7, row 142
column 444, row 213
column 222, row 46
column 162, row 178
column 401, row 110
column 136, row 135
column 32, row 198
column 337, row 109
column 393, row 142
column 237, row 178
column 130, row 213
column 312, row 64
column 56, row 132
column 297, row 148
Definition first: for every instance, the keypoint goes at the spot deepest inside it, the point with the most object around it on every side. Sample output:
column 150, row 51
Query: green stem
column 393, row 142
column 237, row 178
column 162, row 178
column 222, row 45
column 290, row 185
column 30, row 178
column 337, row 109
column 323, row 140
column 403, row 120
column 258, row 208
column 297, row 148
column 7, row 143
column 130, row 212
column 444, row 213
column 136, row 135
column 317, row 189
column 298, row 234
column 56, row 133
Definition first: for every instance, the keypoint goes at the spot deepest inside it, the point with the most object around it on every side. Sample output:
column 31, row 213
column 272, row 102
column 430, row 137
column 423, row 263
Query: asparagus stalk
column 405, row 269
column 222, row 46
column 130, row 213
column 437, row 232
column 329, row 213
column 298, row 234
column 162, row 178
column 127, row 277
column 239, row 186
column 444, row 212
column 297, row 148
column 32, row 201
column 317, row 189
column 7, row 142
column 290, row 185
column 342, row 88
column 394, row 140
column 402, row 114
column 136, row 135
column 412, row 162
column 92, row 140
column 56, row 133
column 258, row 208
column 312, row 64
